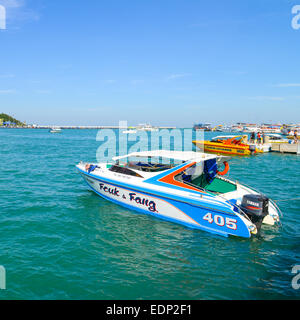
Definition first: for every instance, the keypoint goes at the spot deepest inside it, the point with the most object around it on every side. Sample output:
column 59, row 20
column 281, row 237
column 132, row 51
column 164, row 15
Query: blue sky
column 167, row 62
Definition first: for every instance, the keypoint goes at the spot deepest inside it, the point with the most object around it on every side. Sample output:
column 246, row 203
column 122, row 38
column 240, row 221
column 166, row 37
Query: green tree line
column 5, row 117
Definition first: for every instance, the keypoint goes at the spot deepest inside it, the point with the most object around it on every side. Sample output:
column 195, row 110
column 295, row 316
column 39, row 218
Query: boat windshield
column 124, row 170
column 222, row 138
column 275, row 137
column 149, row 164
column 228, row 139
column 200, row 174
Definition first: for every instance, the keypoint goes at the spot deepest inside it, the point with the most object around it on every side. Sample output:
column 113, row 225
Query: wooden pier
column 286, row 147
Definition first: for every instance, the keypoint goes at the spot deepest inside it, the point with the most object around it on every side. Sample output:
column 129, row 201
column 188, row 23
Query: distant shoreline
column 74, row 127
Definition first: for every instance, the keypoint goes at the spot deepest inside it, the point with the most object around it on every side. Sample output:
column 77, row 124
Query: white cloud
column 267, row 98
column 43, row 91
column 65, row 66
column 137, row 81
column 177, row 76
column 12, row 3
column 110, row 81
column 8, row 91
column 7, row 76
column 287, row 85
column 18, row 11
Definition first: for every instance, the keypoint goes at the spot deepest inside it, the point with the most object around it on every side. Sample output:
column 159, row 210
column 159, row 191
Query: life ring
column 225, row 171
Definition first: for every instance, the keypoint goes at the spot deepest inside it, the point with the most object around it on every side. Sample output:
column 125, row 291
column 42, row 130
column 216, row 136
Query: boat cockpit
column 203, row 175
column 237, row 140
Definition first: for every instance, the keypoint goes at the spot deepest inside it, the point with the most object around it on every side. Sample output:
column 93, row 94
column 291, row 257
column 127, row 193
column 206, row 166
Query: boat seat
column 217, row 185
column 149, row 167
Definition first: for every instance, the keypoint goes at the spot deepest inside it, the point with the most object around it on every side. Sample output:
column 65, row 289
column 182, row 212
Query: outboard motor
column 256, row 206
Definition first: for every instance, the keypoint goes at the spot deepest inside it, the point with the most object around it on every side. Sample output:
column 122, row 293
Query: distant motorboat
column 263, row 148
column 266, row 130
column 251, row 129
column 226, row 129
column 202, row 126
column 129, row 131
column 146, row 127
column 275, row 138
column 291, row 134
column 55, row 130
column 236, row 128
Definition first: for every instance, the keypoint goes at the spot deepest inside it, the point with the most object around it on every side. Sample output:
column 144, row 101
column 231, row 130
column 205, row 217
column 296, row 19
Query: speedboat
column 129, row 131
column 233, row 145
column 276, row 138
column 146, row 127
column 202, row 126
column 269, row 140
column 291, row 134
column 250, row 129
column 55, row 130
column 185, row 187
column 236, row 128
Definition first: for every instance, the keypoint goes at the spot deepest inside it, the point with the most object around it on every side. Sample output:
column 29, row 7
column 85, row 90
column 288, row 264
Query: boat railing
column 259, row 192
column 220, row 195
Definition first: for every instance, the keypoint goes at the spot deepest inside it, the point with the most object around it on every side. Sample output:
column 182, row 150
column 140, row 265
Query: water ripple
column 61, row 241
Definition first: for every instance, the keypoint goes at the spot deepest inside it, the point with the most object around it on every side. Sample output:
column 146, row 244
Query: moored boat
column 55, row 130
column 129, row 131
column 146, row 127
column 291, row 134
column 188, row 189
column 275, row 138
column 230, row 145
column 202, row 126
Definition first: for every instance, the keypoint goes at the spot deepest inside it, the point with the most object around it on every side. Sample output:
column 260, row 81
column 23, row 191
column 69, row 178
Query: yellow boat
column 235, row 145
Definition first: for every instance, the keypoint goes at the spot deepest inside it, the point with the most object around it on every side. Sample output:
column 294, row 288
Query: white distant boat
column 276, row 138
column 270, row 138
column 55, row 130
column 129, row 131
column 251, row 129
column 271, row 130
column 236, row 128
column 146, row 127
column 265, row 147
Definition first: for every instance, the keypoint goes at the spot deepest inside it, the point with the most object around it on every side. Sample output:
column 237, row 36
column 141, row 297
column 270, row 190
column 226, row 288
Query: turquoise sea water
column 58, row 240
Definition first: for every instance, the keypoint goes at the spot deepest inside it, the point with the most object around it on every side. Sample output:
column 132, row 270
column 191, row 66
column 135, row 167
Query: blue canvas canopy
column 210, row 170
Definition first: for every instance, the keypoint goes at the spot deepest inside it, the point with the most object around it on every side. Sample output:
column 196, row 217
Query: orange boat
column 235, row 145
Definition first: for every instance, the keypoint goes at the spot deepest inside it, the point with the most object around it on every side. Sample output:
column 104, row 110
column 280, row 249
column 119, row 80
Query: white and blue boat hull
column 196, row 212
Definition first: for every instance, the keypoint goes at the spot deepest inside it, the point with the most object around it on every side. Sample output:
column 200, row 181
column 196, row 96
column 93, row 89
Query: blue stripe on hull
column 194, row 212
column 189, row 225
column 217, row 206
column 220, row 220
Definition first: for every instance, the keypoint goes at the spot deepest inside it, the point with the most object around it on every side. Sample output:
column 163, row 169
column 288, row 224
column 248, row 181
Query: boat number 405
column 221, row 221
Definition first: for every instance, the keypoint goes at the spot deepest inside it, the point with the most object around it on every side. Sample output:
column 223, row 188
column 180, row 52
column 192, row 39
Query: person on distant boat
column 259, row 137
column 295, row 137
column 252, row 138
